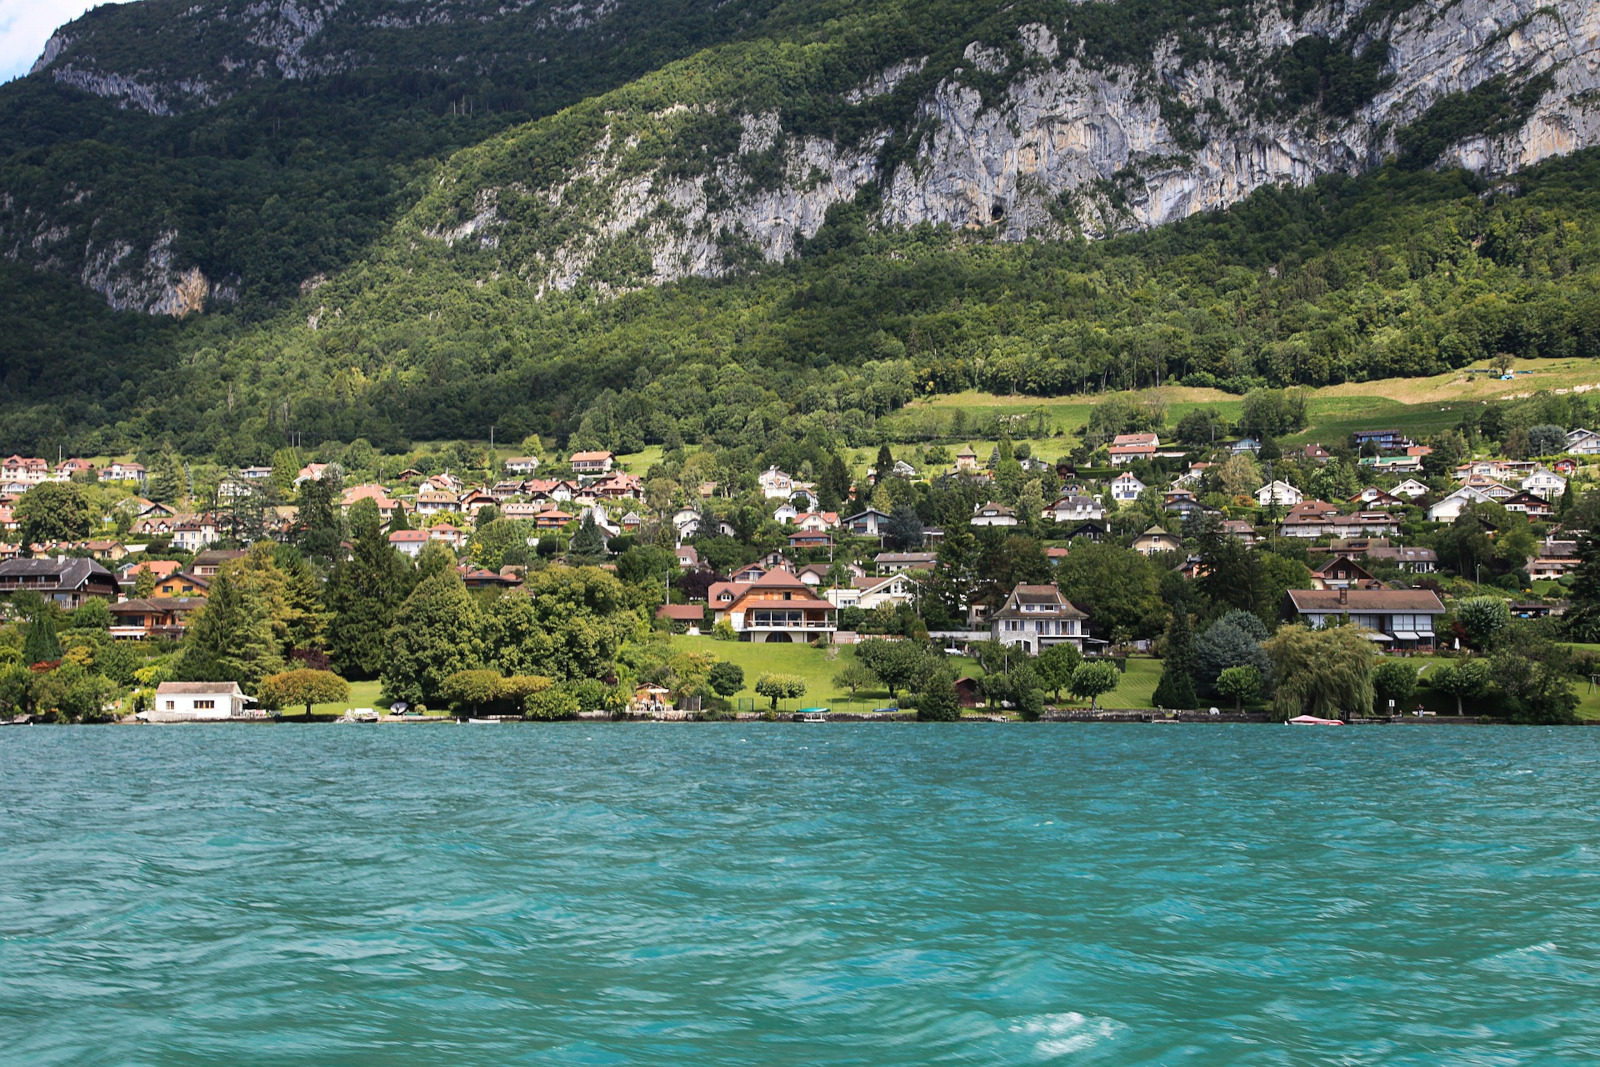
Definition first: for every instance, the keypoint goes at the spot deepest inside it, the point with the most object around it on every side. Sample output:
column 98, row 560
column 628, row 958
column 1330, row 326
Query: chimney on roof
column 1344, row 596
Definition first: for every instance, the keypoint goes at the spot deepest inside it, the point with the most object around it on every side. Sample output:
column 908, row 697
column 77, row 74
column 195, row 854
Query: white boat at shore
column 1312, row 720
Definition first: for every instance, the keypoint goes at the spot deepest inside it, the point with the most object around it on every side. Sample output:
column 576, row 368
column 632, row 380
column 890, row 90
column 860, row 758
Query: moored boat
column 1312, row 720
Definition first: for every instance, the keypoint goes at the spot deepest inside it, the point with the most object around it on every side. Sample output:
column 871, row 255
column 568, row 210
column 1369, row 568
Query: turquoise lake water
column 786, row 894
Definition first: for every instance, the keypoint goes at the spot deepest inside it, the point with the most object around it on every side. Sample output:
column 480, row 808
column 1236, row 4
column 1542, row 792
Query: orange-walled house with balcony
column 777, row 608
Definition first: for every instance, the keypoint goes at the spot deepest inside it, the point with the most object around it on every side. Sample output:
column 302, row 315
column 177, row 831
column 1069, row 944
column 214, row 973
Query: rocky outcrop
column 1071, row 147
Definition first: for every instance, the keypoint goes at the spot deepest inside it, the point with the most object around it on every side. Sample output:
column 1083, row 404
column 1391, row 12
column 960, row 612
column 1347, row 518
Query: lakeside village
column 1142, row 575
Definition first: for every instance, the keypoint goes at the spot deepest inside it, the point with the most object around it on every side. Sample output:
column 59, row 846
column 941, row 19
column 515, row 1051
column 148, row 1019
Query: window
column 171, row 705
column 204, row 705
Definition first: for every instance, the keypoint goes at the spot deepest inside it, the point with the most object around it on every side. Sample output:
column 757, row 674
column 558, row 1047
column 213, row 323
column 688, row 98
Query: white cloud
column 25, row 25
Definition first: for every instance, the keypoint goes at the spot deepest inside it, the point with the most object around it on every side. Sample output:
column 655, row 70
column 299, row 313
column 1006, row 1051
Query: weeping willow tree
column 1321, row 672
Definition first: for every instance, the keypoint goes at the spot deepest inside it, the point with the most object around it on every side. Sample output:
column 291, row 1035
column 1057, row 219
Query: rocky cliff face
column 1031, row 136
column 246, row 41
column 1068, row 147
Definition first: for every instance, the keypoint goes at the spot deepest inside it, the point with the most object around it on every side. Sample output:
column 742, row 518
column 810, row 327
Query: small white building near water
column 197, row 702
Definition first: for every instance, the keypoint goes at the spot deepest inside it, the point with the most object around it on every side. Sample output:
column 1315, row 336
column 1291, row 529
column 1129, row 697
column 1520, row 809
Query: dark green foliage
column 1176, row 687
column 1582, row 619
column 1234, row 640
column 1396, row 680
column 895, row 663
column 53, row 511
column 230, row 639
column 726, row 678
column 1318, row 72
column 904, row 529
column 588, row 544
column 362, row 595
column 40, row 644
column 938, row 701
column 435, row 634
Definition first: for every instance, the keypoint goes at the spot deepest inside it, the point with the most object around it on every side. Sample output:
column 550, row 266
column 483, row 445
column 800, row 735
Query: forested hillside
column 1395, row 273
column 626, row 223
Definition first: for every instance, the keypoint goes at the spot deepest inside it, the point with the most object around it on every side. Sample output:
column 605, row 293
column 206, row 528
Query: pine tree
column 230, row 639
column 144, row 582
column 1176, row 688
column 41, row 644
column 363, row 595
column 1582, row 619
column 588, row 544
column 884, row 468
column 166, row 480
column 399, row 521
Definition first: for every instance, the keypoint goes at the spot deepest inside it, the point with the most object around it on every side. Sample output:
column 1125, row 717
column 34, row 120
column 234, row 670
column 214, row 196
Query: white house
column 869, row 593
column 1449, row 508
column 131, row 472
column 409, row 542
column 1544, row 484
column 1035, row 617
column 785, row 514
column 1279, row 493
column 1582, row 442
column 1076, row 509
column 196, row 702
column 522, row 464
column 1125, row 487
column 1410, row 488
column 776, row 485
column 992, row 514
column 1127, row 447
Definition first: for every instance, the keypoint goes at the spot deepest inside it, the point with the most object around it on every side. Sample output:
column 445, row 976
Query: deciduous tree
column 302, row 688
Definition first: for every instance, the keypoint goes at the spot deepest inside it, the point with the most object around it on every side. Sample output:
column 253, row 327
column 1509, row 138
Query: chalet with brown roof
column 1035, row 617
column 1399, row 618
column 1156, row 540
column 1342, row 572
column 146, row 617
column 181, row 586
column 685, row 617
column 207, row 564
column 776, row 608
column 68, row 582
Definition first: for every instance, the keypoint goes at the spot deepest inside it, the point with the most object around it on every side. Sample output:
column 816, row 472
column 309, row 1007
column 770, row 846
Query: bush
column 939, row 701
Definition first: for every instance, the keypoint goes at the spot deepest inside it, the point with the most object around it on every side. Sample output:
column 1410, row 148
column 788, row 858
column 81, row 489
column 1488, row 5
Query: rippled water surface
column 787, row 894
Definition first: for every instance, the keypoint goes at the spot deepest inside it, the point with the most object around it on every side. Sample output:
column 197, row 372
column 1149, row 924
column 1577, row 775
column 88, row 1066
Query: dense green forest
column 317, row 203
column 1395, row 273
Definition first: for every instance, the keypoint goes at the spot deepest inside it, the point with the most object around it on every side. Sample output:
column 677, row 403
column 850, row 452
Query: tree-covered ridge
column 1396, row 273
column 667, row 132
column 266, row 181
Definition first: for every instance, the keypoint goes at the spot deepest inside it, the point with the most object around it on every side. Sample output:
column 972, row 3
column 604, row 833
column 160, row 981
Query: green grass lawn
column 1420, row 406
column 812, row 664
column 362, row 695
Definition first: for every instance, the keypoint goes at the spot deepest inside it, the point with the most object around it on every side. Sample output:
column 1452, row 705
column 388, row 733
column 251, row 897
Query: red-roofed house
column 591, row 462
column 408, row 541
column 1127, row 447
column 776, row 608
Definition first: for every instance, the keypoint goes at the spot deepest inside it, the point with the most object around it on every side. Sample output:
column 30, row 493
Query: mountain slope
column 231, row 150
column 1034, row 120
column 169, row 154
